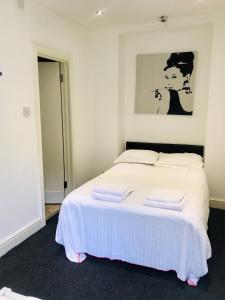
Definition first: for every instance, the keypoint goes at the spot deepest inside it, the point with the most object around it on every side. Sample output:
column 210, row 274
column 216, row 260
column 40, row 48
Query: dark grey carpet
column 38, row 267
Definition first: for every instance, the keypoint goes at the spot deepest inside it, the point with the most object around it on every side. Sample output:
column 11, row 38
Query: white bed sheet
column 129, row 231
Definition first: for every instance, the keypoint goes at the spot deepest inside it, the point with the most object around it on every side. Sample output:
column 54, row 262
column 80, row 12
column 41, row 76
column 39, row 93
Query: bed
column 129, row 231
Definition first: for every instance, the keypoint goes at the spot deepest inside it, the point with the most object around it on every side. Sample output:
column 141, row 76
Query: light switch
column 26, row 111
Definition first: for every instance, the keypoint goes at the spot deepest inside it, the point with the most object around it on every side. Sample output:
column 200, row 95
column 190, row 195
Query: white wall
column 19, row 177
column 159, row 128
column 105, row 54
column 215, row 134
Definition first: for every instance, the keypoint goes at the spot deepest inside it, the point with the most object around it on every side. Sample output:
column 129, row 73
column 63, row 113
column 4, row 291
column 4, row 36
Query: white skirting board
column 19, row 236
column 217, row 203
column 52, row 197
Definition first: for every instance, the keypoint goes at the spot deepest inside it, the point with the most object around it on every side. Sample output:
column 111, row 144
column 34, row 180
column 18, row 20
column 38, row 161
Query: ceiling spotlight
column 163, row 19
column 99, row 12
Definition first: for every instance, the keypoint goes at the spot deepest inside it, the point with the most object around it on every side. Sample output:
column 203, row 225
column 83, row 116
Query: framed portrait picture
column 165, row 83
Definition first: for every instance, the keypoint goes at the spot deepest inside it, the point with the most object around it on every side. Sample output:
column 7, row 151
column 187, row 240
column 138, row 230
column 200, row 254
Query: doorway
column 54, row 115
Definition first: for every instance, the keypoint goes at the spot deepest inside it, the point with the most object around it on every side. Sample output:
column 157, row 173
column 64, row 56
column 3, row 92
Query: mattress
column 129, row 231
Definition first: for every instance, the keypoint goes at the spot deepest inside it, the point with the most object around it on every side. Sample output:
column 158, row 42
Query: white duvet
column 129, row 231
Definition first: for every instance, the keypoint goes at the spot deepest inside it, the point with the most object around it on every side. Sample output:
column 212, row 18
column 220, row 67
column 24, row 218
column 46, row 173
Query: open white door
column 52, row 131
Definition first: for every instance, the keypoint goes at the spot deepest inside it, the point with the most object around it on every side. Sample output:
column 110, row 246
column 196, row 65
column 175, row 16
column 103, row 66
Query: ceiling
column 122, row 12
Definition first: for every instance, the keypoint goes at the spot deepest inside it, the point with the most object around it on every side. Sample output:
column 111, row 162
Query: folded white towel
column 166, row 205
column 104, row 197
column 110, row 198
column 116, row 190
column 8, row 294
column 167, row 196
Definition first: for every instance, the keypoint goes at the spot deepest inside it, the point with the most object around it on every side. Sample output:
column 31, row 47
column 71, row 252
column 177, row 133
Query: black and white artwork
column 165, row 83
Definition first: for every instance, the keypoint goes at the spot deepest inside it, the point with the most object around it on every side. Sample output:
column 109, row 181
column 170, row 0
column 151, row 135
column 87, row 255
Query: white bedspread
column 129, row 231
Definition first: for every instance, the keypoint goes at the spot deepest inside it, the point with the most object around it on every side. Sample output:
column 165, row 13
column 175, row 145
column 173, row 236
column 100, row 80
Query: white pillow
column 186, row 160
column 137, row 156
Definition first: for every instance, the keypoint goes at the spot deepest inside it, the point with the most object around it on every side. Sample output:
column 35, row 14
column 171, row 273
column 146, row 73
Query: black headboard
column 167, row 148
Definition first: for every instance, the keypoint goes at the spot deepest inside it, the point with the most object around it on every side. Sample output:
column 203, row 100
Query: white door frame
column 65, row 60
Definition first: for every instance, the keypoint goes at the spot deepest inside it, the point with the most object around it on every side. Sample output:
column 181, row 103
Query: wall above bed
column 166, row 128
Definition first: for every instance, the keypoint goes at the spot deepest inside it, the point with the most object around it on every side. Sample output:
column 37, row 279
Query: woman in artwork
column 174, row 98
